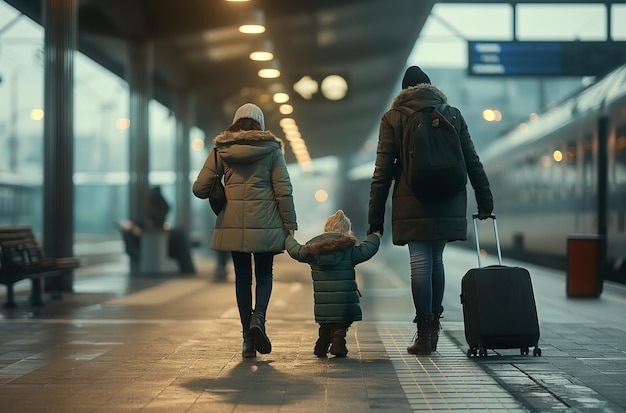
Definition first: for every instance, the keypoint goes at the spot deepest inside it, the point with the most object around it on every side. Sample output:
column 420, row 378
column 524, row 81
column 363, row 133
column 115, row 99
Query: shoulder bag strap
column 217, row 165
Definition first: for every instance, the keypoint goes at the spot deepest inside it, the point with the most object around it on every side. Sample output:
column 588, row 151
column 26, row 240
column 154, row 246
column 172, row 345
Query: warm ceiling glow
column 261, row 56
column 252, row 22
column 334, row 87
column 269, row 73
column 251, row 29
column 197, row 145
column 286, row 121
column 293, row 135
column 36, row 114
column 286, row 109
column 489, row 115
column 306, row 87
column 122, row 123
column 290, row 128
column 321, row 195
column 281, row 97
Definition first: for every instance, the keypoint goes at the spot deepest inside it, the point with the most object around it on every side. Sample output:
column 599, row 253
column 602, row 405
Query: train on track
column 563, row 174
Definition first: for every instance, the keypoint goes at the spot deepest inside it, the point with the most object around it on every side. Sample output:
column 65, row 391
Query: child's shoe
column 323, row 342
column 338, row 341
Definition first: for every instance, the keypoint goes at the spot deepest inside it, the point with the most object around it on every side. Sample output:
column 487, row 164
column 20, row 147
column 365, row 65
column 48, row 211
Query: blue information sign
column 515, row 58
column 492, row 58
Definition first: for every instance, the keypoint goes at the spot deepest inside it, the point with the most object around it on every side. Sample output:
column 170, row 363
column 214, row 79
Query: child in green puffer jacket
column 332, row 256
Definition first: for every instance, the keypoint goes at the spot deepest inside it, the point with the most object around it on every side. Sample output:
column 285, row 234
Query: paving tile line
column 446, row 380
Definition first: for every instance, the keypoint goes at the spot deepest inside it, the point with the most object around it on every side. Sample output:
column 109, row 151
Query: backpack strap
column 444, row 108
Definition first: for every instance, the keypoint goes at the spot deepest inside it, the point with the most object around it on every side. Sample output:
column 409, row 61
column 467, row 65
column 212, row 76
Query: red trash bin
column 584, row 265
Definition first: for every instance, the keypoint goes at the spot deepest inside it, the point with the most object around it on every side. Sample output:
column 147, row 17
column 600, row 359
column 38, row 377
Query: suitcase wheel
column 524, row 351
column 480, row 352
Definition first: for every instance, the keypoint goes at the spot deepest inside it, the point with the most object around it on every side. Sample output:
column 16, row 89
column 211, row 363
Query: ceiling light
column 306, row 87
column 261, row 56
column 334, row 87
column 252, row 22
column 286, row 121
column 286, row 109
column 263, row 51
column 271, row 70
column 281, row 97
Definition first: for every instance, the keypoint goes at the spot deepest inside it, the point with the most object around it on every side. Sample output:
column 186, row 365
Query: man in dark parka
column 424, row 224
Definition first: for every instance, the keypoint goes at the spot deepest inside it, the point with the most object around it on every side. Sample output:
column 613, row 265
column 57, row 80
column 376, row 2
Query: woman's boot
column 257, row 331
column 338, row 340
column 421, row 346
column 322, row 343
column 435, row 328
column 247, row 348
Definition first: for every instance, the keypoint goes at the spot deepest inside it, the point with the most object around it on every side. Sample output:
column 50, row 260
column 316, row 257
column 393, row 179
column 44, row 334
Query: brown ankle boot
column 262, row 342
column 421, row 346
column 435, row 328
column 247, row 348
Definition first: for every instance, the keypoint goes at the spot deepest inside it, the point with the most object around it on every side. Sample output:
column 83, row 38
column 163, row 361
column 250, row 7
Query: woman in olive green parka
column 258, row 215
column 332, row 257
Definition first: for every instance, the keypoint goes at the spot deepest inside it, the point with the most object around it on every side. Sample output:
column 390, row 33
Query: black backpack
column 431, row 156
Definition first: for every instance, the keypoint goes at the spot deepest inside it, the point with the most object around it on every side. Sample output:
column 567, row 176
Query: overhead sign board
column 489, row 58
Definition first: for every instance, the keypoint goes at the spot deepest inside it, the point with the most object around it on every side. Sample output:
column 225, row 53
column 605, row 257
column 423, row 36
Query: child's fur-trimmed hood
column 329, row 242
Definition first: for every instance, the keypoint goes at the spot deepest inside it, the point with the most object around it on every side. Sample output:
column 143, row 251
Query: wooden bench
column 22, row 258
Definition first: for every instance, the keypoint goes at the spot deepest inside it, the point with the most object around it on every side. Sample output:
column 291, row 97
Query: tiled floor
column 124, row 344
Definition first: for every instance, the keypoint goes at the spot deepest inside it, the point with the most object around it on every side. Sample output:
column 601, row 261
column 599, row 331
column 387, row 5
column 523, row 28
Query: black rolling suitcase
column 499, row 310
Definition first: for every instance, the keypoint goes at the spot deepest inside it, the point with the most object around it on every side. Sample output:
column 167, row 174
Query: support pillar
column 60, row 21
column 139, row 76
column 185, row 110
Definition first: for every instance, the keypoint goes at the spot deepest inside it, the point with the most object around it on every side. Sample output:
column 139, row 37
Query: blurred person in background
column 156, row 208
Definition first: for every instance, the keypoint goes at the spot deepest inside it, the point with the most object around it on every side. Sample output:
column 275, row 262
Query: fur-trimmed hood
column 227, row 137
column 420, row 96
column 247, row 146
column 329, row 242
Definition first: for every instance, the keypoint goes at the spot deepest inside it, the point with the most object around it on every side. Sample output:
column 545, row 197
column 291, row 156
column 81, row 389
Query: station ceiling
column 197, row 48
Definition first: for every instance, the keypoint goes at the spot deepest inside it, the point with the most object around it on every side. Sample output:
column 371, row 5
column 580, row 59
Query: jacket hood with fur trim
column 247, row 146
column 329, row 242
column 248, row 136
column 420, row 96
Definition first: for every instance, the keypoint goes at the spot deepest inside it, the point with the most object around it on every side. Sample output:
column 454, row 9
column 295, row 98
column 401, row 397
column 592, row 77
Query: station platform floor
column 172, row 343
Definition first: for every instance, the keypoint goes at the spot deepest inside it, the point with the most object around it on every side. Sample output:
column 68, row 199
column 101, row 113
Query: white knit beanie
column 338, row 222
column 252, row 111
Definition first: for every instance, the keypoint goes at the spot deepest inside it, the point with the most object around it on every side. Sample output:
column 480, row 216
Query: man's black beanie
column 414, row 76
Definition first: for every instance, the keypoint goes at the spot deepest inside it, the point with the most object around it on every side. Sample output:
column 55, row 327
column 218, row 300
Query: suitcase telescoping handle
column 495, row 230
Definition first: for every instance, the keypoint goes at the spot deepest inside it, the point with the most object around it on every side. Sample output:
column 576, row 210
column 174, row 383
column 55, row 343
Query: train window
column 545, row 177
column 588, row 175
column 619, row 164
column 568, row 165
column 557, row 173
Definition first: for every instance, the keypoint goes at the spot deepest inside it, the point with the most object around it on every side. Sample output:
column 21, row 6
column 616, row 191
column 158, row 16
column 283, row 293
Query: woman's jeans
column 263, row 263
column 427, row 277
